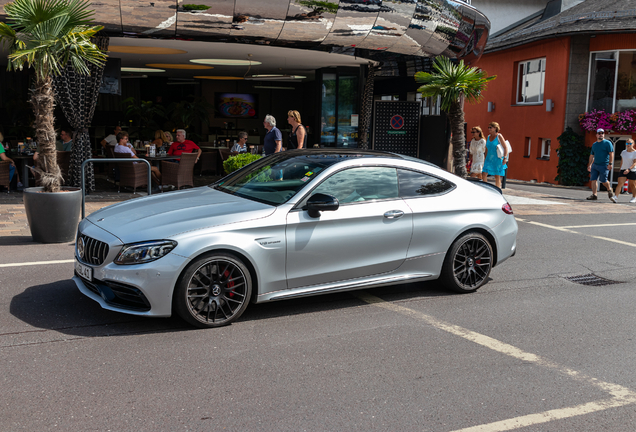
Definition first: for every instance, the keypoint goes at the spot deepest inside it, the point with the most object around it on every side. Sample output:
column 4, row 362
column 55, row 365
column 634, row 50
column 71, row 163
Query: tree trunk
column 458, row 140
column 43, row 102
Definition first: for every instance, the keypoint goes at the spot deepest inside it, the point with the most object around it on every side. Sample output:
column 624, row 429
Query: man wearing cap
column 599, row 165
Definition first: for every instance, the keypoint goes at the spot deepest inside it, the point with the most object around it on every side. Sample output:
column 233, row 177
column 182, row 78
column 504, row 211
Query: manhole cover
column 590, row 279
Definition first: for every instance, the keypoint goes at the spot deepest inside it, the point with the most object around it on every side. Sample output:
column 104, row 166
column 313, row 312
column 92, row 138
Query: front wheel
column 467, row 263
column 214, row 291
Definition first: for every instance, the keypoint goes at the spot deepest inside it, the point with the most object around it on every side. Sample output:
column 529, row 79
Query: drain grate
column 590, row 280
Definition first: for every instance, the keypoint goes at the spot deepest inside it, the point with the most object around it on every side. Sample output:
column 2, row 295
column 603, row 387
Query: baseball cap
column 599, row 130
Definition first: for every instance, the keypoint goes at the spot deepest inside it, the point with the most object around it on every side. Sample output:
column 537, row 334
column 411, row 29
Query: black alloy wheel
column 214, row 291
column 468, row 263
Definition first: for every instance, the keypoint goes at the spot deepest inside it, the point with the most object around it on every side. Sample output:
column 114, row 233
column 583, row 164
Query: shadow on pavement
column 60, row 307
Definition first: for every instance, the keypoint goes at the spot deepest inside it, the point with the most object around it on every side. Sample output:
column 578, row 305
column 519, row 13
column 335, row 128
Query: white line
column 548, row 416
column 36, row 263
column 620, row 395
column 599, row 225
column 565, row 229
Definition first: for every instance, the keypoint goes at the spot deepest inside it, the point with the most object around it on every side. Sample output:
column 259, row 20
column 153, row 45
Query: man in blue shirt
column 273, row 141
column 67, row 140
column 601, row 161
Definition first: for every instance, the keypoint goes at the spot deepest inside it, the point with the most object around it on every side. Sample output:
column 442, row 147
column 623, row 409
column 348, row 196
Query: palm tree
column 454, row 83
column 47, row 35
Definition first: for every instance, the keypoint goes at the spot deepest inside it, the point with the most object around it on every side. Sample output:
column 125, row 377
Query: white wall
column 502, row 13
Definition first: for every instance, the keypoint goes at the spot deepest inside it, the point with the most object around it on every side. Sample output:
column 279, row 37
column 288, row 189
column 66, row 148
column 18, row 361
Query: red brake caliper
column 230, row 284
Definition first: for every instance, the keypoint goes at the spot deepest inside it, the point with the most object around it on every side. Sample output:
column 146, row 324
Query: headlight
column 140, row 253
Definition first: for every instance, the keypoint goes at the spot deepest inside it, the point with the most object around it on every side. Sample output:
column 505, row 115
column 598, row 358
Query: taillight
column 506, row 208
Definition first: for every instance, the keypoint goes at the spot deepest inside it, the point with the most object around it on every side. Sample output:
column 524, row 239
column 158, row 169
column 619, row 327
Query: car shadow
column 60, row 307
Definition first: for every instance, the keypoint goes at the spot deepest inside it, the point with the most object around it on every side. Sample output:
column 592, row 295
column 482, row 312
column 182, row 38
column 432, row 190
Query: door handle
column 394, row 214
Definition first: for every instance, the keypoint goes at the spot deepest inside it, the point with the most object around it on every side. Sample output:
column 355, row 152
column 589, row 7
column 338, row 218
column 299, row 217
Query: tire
column 467, row 263
column 214, row 291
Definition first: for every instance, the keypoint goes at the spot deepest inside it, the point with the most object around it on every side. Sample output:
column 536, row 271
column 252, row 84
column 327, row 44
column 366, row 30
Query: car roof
column 354, row 152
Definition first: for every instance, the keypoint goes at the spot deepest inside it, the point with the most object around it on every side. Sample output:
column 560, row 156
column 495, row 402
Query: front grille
column 95, row 251
column 120, row 295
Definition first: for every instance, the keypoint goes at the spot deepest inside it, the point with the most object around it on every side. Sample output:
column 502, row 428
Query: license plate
column 84, row 271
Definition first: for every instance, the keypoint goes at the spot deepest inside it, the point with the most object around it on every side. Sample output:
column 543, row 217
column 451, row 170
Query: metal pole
column 114, row 160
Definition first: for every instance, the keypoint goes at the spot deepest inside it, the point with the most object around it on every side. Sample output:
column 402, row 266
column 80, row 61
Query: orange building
column 551, row 68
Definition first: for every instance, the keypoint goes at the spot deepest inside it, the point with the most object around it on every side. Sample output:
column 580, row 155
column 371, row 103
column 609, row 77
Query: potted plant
column 48, row 35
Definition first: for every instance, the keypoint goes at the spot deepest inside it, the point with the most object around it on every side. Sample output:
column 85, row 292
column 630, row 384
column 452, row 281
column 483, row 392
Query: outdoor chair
column 179, row 174
column 223, row 155
column 132, row 175
column 209, row 161
column 4, row 174
column 112, row 171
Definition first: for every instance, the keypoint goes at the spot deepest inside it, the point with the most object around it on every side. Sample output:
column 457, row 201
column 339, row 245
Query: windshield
column 275, row 179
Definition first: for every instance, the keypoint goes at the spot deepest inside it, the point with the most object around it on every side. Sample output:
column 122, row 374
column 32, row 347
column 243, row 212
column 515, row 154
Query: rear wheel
column 467, row 263
column 214, row 291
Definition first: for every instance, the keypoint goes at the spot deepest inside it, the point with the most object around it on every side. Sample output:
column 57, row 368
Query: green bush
column 237, row 162
column 573, row 159
column 195, row 7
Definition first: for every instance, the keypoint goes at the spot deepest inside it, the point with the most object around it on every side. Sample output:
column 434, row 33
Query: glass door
column 339, row 114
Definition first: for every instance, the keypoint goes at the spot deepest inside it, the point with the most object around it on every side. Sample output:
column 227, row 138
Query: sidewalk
column 546, row 200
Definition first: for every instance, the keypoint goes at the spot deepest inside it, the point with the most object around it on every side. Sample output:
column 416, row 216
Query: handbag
column 508, row 147
column 500, row 151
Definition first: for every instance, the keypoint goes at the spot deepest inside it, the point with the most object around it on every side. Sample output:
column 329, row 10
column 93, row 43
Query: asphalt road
column 530, row 351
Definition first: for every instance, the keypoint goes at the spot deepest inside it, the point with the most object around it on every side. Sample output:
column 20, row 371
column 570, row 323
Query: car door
column 367, row 235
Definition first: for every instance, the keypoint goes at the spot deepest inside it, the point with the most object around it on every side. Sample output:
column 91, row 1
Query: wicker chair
column 132, row 175
column 64, row 162
column 179, row 174
column 223, row 155
column 209, row 162
column 4, row 174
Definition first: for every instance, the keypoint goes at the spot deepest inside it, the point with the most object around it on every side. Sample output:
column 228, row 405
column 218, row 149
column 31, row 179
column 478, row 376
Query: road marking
column 599, row 225
column 566, row 229
column 36, row 263
column 621, row 396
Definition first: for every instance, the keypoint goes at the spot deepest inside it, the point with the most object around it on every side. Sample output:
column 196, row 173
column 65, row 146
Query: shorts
column 630, row 175
column 599, row 172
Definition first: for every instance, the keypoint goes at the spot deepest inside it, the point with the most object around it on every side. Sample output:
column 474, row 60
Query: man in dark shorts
column 599, row 165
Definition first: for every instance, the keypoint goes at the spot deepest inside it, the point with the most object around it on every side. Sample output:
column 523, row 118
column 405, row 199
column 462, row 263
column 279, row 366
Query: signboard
column 396, row 127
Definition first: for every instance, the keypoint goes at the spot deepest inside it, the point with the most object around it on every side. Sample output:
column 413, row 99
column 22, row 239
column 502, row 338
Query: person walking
column 600, row 162
column 628, row 170
column 494, row 164
column 298, row 135
column 478, row 152
column 273, row 141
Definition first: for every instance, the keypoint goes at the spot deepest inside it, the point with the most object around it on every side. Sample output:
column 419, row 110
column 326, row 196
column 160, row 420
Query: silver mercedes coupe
column 293, row 224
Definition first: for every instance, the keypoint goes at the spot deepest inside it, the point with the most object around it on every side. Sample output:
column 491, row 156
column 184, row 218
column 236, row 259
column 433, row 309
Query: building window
column 528, row 147
column 531, row 78
column 430, row 106
column 612, row 85
column 545, row 148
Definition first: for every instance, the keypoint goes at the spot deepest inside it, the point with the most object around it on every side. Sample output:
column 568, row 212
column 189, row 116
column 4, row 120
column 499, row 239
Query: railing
column 110, row 160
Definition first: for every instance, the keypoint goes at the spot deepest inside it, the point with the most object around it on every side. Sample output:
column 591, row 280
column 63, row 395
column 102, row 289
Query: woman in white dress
column 478, row 152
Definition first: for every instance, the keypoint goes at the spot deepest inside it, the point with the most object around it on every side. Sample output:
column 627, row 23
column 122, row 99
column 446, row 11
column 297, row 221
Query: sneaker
column 612, row 197
column 20, row 184
column 633, row 200
column 592, row 197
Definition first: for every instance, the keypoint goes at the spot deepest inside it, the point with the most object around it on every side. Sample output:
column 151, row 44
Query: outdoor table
column 155, row 160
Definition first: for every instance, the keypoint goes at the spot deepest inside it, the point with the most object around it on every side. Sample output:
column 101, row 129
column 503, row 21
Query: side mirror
column 321, row 202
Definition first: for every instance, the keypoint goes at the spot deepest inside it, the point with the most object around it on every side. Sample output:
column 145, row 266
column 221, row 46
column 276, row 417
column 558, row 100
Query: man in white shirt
column 111, row 139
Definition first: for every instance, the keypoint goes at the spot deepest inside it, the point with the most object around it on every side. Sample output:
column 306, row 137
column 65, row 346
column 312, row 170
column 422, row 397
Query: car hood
column 165, row 215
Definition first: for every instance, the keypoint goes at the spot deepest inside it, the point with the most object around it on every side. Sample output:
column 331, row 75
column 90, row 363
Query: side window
column 361, row 184
column 415, row 184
